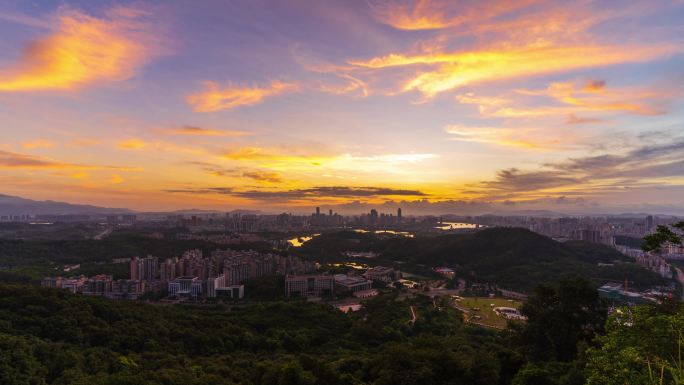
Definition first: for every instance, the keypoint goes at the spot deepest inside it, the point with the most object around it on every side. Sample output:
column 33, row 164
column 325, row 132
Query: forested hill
column 513, row 258
column 51, row 336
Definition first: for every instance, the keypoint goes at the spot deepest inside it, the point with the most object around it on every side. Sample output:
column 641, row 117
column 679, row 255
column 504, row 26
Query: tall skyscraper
column 135, row 272
column 650, row 223
column 399, row 214
column 144, row 269
column 318, row 211
column 374, row 216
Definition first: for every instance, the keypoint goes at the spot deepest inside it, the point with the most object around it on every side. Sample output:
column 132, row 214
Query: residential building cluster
column 598, row 229
column 223, row 273
column 222, row 239
column 652, row 261
column 99, row 285
column 191, row 275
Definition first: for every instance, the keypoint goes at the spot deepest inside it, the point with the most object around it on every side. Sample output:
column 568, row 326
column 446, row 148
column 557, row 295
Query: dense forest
column 513, row 258
column 49, row 336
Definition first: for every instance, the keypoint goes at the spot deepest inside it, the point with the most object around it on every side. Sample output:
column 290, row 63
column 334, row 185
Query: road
column 413, row 314
column 103, row 234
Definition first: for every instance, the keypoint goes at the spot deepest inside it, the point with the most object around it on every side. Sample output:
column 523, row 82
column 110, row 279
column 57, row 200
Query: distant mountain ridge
column 12, row 205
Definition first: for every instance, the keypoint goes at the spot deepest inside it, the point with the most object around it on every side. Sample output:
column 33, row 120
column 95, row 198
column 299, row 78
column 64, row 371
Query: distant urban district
column 378, row 298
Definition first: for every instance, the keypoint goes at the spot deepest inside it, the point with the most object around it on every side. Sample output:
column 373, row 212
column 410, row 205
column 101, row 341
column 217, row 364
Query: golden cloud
column 353, row 85
column 455, row 70
column 38, row 143
column 434, row 14
column 15, row 160
column 116, row 179
column 132, row 144
column 490, row 135
column 12, row 160
column 80, row 175
column 569, row 99
column 248, row 153
column 199, row 131
column 83, row 50
column 303, row 162
column 214, row 98
column 595, row 96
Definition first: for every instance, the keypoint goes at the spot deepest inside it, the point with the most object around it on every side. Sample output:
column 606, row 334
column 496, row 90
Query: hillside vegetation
column 50, row 336
column 512, row 258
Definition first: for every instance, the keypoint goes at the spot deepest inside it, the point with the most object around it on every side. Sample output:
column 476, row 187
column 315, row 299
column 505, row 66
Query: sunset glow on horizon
column 436, row 106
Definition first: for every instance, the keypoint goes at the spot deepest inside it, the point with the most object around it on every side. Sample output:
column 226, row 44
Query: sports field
column 481, row 310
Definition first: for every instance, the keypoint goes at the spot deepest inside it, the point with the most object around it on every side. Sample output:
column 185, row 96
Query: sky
column 435, row 106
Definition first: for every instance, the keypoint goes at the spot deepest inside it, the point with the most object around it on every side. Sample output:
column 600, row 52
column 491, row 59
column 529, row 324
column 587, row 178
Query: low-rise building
column 221, row 287
column 446, row 272
column 52, row 282
column 351, row 283
column 309, row 285
column 366, row 293
column 185, row 287
column 127, row 289
column 382, row 274
column 232, row 292
column 74, row 285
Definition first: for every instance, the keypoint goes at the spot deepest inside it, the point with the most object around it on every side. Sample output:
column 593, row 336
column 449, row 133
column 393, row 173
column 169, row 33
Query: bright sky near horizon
column 440, row 106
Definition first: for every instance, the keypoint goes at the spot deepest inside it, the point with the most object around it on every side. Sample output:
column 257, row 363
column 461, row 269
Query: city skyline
column 284, row 106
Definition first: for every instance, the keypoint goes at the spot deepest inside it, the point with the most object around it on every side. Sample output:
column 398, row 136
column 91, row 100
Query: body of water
column 457, row 226
column 393, row 232
column 298, row 241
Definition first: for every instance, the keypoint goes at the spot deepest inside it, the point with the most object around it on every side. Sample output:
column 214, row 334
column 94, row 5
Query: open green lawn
column 482, row 307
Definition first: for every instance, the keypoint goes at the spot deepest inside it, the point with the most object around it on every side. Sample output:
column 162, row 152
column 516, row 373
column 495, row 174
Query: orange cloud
column 433, row 14
column 38, row 143
column 528, row 138
column 80, row 175
column 595, row 86
column 595, row 96
column 490, row 135
column 132, row 144
column 12, row 160
column 83, row 50
column 213, row 98
column 302, row 160
column 353, row 85
column 455, row 70
column 199, row 131
column 248, row 153
column 574, row 119
column 116, row 179
column 591, row 97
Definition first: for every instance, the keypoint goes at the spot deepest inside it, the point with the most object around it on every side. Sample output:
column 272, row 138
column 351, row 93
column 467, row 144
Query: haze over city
column 434, row 106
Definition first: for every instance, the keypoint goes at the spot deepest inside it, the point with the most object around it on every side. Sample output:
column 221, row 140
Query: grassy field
column 482, row 307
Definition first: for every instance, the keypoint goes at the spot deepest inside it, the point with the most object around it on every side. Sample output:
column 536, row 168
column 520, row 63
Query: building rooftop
column 349, row 280
column 611, row 286
column 305, row 276
column 380, row 269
